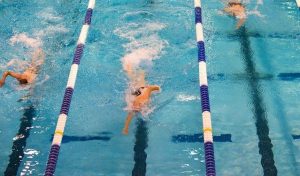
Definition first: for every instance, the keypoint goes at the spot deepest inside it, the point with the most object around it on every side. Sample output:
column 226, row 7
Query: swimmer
column 29, row 75
column 140, row 94
column 237, row 10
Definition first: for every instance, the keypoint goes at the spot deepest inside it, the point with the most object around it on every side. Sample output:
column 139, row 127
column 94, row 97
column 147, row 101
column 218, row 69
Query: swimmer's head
column 136, row 92
column 230, row 4
column 23, row 81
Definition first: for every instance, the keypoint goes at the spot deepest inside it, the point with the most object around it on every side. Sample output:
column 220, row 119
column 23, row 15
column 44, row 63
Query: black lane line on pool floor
column 255, row 34
column 16, row 157
column 295, row 136
column 261, row 76
column 141, row 143
column 198, row 137
column 102, row 136
column 264, row 144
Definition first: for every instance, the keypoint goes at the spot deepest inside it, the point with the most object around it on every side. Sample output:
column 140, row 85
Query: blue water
column 252, row 75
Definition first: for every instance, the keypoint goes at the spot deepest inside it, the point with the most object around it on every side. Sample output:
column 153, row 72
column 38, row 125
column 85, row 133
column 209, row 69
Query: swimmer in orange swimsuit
column 29, row 75
column 237, row 10
column 141, row 94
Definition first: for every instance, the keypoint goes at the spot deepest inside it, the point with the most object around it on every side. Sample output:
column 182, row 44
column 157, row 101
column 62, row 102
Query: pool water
column 254, row 84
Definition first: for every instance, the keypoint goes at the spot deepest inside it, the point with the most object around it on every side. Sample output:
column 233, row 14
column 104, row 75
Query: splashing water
column 144, row 45
column 27, row 41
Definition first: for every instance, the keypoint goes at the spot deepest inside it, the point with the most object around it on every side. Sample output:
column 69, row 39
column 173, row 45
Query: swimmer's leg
column 127, row 122
column 12, row 62
column 140, row 80
column 128, row 69
column 38, row 57
column 240, row 22
column 136, row 77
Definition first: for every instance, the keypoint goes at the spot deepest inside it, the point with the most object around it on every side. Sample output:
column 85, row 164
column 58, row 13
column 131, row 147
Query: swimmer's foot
column 127, row 67
column 1, row 83
column 125, row 131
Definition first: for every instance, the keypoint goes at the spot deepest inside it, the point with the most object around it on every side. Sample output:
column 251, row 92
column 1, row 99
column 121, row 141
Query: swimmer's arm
column 240, row 23
column 9, row 73
column 127, row 122
column 228, row 10
column 15, row 75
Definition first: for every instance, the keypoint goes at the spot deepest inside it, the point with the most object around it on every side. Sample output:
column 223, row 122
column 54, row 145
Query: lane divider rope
column 62, row 118
column 206, row 116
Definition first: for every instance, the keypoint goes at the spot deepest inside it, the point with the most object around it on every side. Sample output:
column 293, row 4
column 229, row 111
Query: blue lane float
column 206, row 116
column 59, row 131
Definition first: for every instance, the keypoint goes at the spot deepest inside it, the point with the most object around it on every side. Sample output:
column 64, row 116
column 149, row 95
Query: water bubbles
column 194, row 152
column 20, row 136
column 185, row 165
column 184, row 97
column 31, row 152
column 29, row 164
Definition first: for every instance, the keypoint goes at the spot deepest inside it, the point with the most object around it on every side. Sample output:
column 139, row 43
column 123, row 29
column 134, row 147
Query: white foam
column 52, row 21
column 132, row 30
column 43, row 81
column 137, row 56
column 23, row 38
column 255, row 12
column 135, row 13
column 261, row 2
column 51, row 30
column 48, row 14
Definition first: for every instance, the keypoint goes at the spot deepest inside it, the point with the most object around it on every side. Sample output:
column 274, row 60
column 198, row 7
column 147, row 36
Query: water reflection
column 103, row 136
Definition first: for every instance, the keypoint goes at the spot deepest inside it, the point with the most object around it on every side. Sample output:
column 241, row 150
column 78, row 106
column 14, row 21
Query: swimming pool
column 253, row 84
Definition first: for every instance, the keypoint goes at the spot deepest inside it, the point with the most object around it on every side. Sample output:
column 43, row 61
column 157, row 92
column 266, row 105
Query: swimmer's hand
column 158, row 87
column 154, row 87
